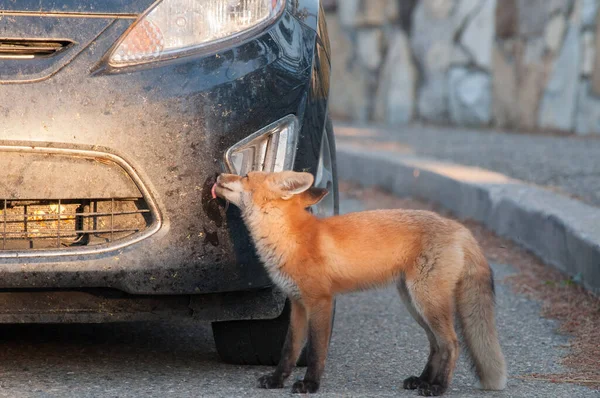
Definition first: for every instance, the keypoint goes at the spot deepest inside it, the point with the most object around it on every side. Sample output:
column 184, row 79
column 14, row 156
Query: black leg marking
column 431, row 390
column 305, row 387
column 445, row 358
column 318, row 344
column 270, row 381
column 291, row 349
column 438, row 322
column 412, row 383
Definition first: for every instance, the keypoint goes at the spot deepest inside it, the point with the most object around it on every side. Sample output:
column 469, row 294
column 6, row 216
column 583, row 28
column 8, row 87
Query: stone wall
column 519, row 64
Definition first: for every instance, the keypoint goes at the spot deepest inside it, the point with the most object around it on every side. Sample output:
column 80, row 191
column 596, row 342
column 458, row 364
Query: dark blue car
column 115, row 118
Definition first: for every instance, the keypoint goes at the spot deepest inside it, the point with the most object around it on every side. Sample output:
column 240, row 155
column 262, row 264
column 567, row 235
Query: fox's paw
column 270, row 381
column 412, row 383
column 305, row 386
column 430, row 390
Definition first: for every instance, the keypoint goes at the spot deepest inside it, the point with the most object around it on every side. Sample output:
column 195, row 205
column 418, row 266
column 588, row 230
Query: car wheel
column 326, row 175
column 259, row 342
column 255, row 342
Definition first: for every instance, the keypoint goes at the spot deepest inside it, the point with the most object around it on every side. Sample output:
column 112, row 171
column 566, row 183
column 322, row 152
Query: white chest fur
column 271, row 245
column 273, row 263
column 284, row 282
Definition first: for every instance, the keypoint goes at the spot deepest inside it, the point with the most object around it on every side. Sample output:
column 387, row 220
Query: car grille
column 69, row 223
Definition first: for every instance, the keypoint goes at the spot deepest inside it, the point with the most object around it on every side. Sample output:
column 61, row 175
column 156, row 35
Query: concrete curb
column 562, row 231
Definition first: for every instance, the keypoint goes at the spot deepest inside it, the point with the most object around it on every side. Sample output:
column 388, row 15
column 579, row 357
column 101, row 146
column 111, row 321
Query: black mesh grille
column 63, row 224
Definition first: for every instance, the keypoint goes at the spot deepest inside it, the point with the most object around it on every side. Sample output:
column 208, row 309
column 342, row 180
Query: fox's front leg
column 294, row 342
column 319, row 331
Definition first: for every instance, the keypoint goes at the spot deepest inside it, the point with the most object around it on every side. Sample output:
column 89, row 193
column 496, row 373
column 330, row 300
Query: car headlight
column 271, row 149
column 172, row 27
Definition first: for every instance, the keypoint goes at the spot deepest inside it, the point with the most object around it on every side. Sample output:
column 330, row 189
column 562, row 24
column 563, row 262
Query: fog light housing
column 270, row 149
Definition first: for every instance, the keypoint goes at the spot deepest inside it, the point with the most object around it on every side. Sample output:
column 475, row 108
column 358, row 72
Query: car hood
column 90, row 7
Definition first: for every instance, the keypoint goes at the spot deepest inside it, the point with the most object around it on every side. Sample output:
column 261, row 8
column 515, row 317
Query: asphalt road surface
column 375, row 345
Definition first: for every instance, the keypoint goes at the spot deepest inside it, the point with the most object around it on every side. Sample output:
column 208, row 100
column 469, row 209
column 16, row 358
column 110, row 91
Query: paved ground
column 571, row 164
column 374, row 346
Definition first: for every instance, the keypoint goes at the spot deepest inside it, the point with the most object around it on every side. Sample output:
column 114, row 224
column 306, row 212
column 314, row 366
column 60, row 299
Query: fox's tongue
column 213, row 192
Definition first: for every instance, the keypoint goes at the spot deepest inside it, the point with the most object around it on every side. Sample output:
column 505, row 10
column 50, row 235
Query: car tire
column 255, row 342
column 259, row 342
column 333, row 154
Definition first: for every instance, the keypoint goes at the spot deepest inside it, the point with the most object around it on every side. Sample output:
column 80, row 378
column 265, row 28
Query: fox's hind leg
column 432, row 298
column 414, row 382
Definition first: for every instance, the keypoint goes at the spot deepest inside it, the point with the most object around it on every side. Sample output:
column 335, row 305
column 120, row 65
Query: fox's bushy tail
column 475, row 305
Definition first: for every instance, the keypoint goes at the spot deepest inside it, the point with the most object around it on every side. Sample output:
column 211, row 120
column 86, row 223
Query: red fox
column 436, row 264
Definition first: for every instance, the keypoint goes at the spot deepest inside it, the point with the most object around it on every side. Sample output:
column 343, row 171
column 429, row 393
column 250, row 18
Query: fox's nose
column 223, row 177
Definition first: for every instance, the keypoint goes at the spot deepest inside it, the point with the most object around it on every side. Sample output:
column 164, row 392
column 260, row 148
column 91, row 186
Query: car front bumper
column 170, row 123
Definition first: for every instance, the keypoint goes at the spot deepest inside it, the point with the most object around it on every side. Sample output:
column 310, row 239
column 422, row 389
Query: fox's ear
column 314, row 195
column 291, row 183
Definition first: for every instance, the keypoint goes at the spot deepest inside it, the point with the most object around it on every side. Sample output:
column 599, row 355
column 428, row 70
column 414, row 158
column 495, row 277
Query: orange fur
column 436, row 263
